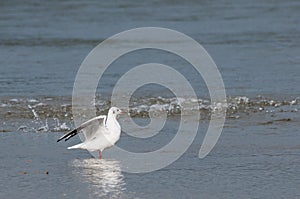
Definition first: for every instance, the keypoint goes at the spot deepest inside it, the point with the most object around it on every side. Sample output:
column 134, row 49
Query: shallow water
column 256, row 47
column 249, row 159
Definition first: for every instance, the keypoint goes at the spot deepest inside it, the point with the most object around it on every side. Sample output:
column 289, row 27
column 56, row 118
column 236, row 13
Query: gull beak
column 122, row 112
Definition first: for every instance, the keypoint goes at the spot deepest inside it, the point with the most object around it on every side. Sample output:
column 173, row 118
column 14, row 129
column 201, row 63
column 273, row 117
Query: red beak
column 122, row 112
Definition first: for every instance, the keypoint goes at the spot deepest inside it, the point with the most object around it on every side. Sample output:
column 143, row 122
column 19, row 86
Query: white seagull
column 100, row 132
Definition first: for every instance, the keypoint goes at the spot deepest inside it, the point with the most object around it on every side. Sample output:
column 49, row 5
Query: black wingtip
column 68, row 135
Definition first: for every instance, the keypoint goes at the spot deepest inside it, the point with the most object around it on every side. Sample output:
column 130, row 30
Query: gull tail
column 77, row 146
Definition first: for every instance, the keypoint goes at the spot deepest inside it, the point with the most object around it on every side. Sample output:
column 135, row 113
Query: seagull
column 100, row 132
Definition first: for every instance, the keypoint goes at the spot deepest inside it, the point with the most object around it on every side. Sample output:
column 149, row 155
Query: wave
column 60, row 107
column 55, row 113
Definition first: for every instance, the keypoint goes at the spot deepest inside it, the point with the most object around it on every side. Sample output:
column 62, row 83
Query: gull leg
column 100, row 154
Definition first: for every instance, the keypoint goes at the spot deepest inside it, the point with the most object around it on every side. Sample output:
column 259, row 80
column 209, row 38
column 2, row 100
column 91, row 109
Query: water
column 256, row 47
column 249, row 159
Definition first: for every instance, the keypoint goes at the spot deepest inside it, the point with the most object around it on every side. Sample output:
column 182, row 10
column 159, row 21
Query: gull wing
column 89, row 128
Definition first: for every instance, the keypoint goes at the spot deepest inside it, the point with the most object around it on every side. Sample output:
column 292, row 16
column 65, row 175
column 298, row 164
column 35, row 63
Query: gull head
column 115, row 111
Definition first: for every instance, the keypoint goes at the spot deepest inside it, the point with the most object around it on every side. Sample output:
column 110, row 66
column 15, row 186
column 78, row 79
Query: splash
column 54, row 114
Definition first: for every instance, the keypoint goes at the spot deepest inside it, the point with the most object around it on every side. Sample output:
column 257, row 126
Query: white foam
column 14, row 100
column 32, row 100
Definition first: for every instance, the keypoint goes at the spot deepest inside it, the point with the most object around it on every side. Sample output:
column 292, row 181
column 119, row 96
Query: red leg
column 100, row 154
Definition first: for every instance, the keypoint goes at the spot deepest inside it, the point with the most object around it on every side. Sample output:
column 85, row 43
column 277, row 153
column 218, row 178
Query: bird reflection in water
column 104, row 177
